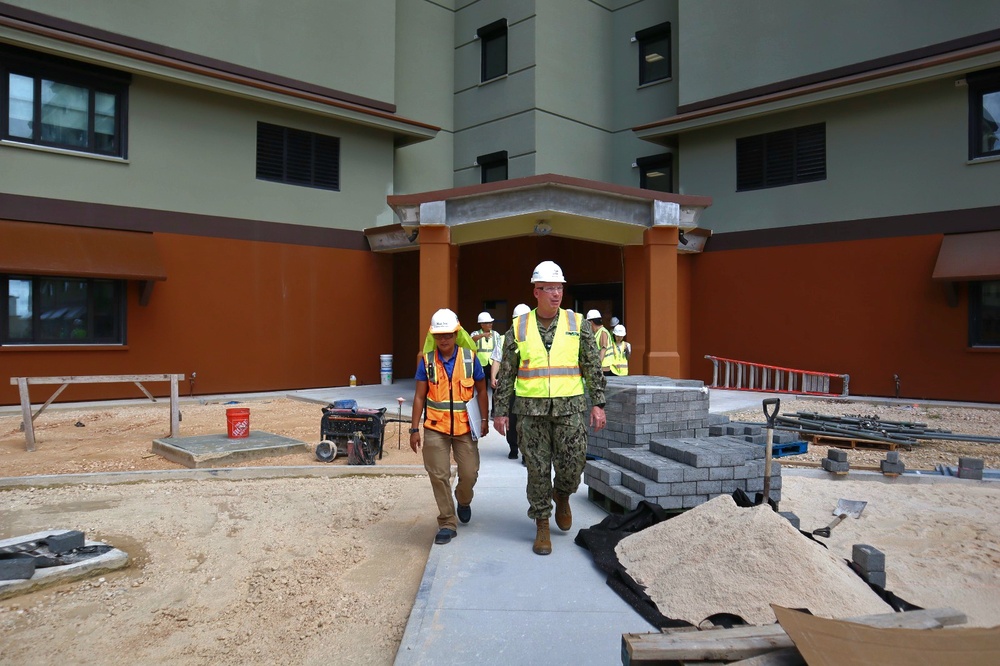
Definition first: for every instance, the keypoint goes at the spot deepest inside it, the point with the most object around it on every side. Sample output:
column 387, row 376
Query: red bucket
column 238, row 422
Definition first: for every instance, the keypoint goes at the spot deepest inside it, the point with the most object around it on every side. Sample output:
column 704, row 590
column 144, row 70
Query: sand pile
column 721, row 558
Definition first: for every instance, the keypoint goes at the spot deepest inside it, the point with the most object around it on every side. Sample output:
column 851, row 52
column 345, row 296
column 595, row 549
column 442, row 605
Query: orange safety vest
column 445, row 406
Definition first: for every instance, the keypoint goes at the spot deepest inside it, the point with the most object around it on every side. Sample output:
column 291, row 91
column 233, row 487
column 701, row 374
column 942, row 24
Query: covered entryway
column 476, row 246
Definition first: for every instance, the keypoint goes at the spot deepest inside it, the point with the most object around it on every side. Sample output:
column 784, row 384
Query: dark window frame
column 492, row 165
column 786, row 157
column 88, row 336
column 298, row 157
column 980, row 84
column 492, row 50
column 652, row 71
column 664, row 162
column 981, row 317
column 39, row 67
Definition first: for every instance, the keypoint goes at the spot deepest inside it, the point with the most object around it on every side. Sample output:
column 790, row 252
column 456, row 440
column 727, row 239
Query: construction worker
column 486, row 340
column 621, row 351
column 546, row 360
column 519, row 309
column 603, row 338
column 447, row 373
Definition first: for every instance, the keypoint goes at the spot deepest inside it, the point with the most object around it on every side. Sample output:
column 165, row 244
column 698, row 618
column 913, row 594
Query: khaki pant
column 438, row 451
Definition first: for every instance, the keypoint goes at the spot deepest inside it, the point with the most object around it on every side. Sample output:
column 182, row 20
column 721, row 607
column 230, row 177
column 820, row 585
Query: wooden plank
column 95, row 379
column 748, row 641
column 783, row 657
column 26, row 420
column 175, row 413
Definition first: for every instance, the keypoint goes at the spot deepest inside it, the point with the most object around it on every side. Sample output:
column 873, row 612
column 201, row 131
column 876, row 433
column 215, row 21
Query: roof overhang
column 28, row 248
column 543, row 205
column 956, row 63
column 41, row 32
column 965, row 257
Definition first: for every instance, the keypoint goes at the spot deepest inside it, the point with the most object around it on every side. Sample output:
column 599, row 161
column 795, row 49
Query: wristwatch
column 414, row 430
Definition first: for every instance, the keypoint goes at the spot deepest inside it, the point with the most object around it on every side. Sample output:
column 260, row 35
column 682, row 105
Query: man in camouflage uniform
column 548, row 356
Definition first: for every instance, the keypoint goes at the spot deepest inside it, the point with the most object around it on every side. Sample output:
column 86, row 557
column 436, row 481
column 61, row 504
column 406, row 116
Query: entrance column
column 438, row 272
column 662, row 339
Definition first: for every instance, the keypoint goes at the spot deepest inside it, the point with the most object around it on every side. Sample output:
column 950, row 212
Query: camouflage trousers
column 548, row 442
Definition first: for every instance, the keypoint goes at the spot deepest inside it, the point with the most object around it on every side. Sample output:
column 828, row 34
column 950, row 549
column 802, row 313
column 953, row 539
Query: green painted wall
column 347, row 46
column 195, row 152
column 896, row 152
column 425, row 76
column 727, row 46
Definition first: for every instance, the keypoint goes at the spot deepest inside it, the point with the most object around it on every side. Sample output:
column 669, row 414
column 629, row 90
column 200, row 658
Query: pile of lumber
column 767, row 645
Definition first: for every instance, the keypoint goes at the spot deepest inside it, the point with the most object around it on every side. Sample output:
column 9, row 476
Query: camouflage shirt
column 590, row 368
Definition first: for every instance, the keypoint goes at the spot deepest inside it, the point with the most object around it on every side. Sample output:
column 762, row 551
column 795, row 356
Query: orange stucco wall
column 866, row 308
column 244, row 315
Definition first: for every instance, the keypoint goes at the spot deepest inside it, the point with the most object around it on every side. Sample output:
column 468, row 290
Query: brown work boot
column 543, row 544
column 564, row 516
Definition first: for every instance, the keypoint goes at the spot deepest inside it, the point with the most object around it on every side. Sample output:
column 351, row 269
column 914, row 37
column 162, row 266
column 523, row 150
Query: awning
column 52, row 249
column 964, row 257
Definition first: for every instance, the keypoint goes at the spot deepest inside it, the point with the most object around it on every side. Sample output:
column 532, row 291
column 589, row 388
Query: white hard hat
column 444, row 321
column 615, row 321
column 593, row 314
column 547, row 271
column 521, row 309
column 485, row 318
column 619, row 330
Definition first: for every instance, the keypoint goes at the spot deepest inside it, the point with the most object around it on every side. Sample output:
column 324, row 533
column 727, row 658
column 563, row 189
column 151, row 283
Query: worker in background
column 603, row 338
column 495, row 358
column 621, row 351
column 546, row 360
column 614, row 322
column 486, row 340
column 448, row 374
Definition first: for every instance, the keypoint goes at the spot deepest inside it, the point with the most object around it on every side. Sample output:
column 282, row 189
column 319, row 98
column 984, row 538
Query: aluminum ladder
column 747, row 376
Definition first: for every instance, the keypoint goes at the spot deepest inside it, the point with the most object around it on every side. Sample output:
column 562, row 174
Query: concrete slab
column 214, row 450
column 103, row 563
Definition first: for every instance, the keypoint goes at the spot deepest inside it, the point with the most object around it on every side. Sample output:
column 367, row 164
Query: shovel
column 844, row 508
column 770, row 416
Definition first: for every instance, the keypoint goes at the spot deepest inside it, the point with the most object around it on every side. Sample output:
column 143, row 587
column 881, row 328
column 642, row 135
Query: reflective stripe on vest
column 603, row 334
column 485, row 346
column 553, row 373
column 446, row 400
column 619, row 364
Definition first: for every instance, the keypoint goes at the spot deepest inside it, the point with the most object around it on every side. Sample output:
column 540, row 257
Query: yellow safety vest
column 604, row 341
column 485, row 346
column 619, row 365
column 445, row 408
column 553, row 373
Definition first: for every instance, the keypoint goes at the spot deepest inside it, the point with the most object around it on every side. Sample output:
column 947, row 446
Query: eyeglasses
column 558, row 289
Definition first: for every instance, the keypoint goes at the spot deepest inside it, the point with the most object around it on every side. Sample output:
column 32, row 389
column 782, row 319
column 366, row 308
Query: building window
column 984, row 114
column 493, row 166
column 656, row 172
column 654, row 53
column 49, row 101
column 787, row 157
column 984, row 313
column 286, row 155
column 62, row 310
column 493, row 53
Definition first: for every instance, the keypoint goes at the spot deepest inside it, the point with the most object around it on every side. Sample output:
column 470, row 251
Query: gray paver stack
column 656, row 447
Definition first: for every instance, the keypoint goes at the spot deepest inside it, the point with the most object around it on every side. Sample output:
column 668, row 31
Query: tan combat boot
column 543, row 544
column 564, row 516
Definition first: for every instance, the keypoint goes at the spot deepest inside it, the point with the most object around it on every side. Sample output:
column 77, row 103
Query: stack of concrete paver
column 656, row 448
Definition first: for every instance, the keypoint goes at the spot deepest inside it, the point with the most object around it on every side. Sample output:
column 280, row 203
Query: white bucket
column 385, row 368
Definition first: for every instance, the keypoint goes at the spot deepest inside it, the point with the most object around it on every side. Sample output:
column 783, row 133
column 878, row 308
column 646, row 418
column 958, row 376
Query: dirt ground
column 321, row 570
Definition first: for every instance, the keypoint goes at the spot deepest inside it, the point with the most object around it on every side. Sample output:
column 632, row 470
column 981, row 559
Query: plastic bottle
column 354, row 380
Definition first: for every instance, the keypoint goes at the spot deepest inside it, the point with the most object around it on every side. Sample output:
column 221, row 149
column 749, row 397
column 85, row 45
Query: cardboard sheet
column 826, row 642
